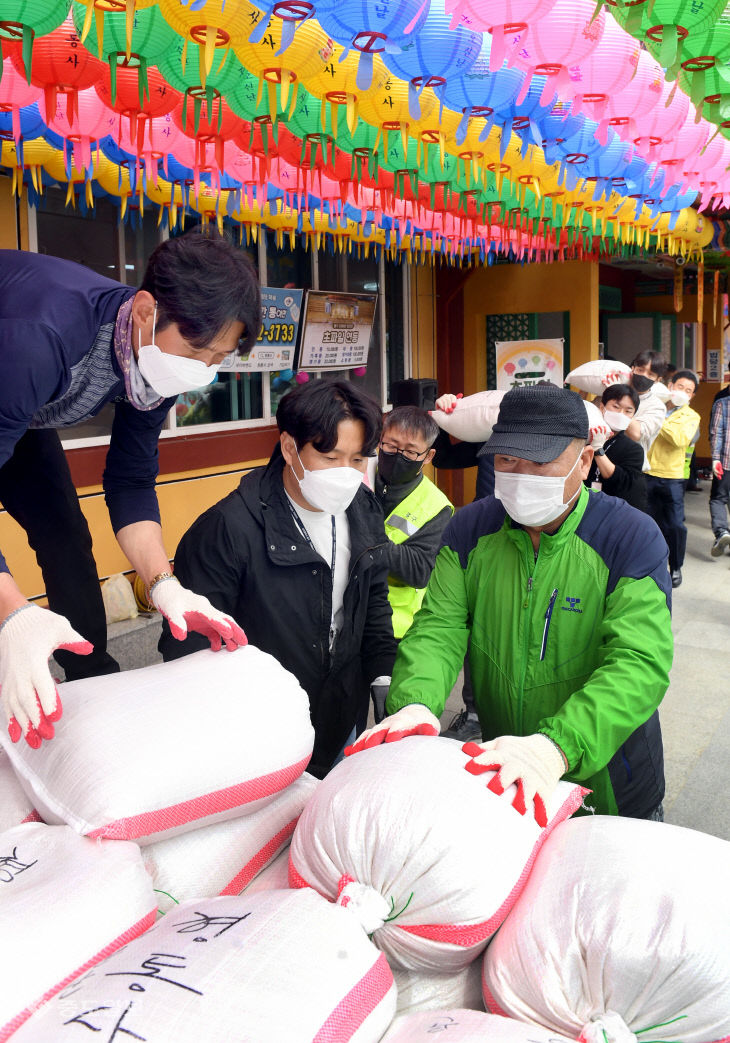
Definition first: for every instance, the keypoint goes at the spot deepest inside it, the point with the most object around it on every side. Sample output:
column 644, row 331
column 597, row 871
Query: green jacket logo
column 572, row 605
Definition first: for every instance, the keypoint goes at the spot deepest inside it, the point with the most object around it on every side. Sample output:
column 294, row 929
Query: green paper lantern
column 23, row 20
column 150, row 38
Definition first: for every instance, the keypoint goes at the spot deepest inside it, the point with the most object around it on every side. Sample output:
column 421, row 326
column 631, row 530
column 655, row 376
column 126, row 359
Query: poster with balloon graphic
column 521, row 363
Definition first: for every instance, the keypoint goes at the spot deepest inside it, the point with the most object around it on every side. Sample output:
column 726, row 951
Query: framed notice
column 336, row 329
column 274, row 350
column 521, row 363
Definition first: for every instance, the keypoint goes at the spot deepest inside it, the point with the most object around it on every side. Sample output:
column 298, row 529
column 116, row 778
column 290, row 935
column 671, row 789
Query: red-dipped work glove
column 28, row 638
column 533, row 762
column 186, row 611
column 411, row 720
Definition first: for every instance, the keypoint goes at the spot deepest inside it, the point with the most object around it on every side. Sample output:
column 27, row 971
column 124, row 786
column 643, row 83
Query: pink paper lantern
column 564, row 37
column 640, row 96
column 15, row 94
column 659, row 125
column 91, row 122
column 605, row 72
column 507, row 20
column 686, row 143
column 302, row 378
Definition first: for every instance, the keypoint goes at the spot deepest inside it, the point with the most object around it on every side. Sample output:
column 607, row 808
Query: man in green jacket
column 563, row 595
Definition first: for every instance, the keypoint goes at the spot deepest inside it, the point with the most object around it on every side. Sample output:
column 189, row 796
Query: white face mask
column 329, row 489
column 533, row 499
column 171, row 375
column 616, row 421
column 679, row 398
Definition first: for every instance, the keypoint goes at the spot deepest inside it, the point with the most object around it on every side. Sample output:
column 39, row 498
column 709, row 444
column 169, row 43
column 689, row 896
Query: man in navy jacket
column 72, row 341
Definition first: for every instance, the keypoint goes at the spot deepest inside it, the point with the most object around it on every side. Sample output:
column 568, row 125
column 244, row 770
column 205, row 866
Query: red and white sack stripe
column 222, row 859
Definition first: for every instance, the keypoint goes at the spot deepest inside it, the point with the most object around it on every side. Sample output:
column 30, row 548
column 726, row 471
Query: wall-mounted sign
column 714, row 364
column 521, row 363
column 336, row 329
column 275, row 348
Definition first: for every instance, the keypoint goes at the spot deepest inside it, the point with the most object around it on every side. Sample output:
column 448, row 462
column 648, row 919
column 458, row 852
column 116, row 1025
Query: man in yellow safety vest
column 416, row 513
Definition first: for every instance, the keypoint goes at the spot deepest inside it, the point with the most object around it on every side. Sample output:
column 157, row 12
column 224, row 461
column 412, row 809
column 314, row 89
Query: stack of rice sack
column 274, row 967
column 621, row 932
column 426, row 855
column 168, row 757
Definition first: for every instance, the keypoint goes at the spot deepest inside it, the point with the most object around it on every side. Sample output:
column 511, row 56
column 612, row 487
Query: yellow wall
column 182, row 499
column 707, row 390
column 513, row 288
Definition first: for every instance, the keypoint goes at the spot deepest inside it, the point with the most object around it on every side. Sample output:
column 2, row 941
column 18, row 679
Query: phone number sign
column 274, row 350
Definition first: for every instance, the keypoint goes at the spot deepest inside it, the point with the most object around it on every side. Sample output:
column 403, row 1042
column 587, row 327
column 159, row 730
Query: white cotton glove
column 415, row 719
column 598, row 435
column 617, row 377
column 616, row 421
column 28, row 638
column 186, row 611
column 447, row 403
column 717, row 469
column 533, row 762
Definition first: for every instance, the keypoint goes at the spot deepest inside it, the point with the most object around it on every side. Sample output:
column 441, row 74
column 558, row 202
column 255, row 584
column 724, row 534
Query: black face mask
column 640, row 383
column 394, row 469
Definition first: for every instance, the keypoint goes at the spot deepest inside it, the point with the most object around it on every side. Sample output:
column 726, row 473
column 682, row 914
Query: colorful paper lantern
column 371, row 28
column 605, row 72
column 23, row 21
column 90, row 122
column 107, row 31
column 434, row 55
column 564, row 37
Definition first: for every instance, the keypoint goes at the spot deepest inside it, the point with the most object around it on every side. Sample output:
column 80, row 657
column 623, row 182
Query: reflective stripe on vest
column 419, row 507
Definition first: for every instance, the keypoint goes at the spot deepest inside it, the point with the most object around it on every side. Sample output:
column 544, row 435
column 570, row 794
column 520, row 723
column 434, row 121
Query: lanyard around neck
column 302, row 528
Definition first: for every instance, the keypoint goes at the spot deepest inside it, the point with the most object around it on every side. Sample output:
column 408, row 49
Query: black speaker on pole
column 422, row 392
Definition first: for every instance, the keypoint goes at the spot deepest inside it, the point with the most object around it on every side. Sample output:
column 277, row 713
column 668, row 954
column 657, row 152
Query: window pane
column 90, row 240
column 233, row 396
column 285, row 268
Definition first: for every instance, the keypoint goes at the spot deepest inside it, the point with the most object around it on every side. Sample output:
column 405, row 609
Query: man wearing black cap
column 563, row 595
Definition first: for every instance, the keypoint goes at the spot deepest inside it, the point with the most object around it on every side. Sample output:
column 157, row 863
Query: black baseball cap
column 537, row 423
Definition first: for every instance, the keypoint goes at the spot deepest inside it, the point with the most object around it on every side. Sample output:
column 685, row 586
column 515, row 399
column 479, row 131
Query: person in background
column 720, row 489
column 647, row 370
column 453, row 454
column 665, row 479
column 416, row 513
column 72, row 341
column 563, row 597
column 618, row 464
column 298, row 557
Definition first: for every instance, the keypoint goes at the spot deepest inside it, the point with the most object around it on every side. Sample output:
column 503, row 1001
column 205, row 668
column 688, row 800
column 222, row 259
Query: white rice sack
column 473, row 417
column 280, row 967
column 274, row 878
column 434, row 857
column 421, row 990
column 465, row 1026
column 15, row 806
column 589, row 376
column 224, row 858
column 623, row 924
column 65, row 903
column 150, row 753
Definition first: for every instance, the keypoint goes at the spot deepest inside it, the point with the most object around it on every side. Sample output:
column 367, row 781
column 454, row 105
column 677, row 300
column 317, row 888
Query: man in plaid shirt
column 720, row 492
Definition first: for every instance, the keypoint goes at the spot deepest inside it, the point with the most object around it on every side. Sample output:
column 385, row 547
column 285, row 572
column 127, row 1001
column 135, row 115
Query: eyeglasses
column 409, row 454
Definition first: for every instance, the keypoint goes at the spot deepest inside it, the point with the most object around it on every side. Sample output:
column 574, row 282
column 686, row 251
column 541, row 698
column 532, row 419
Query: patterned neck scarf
column 139, row 393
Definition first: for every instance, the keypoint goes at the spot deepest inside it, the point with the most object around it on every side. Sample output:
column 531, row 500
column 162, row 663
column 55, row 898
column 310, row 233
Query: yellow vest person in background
column 416, row 512
column 665, row 480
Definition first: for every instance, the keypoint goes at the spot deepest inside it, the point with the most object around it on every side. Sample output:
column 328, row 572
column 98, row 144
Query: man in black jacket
column 297, row 556
column 618, row 464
